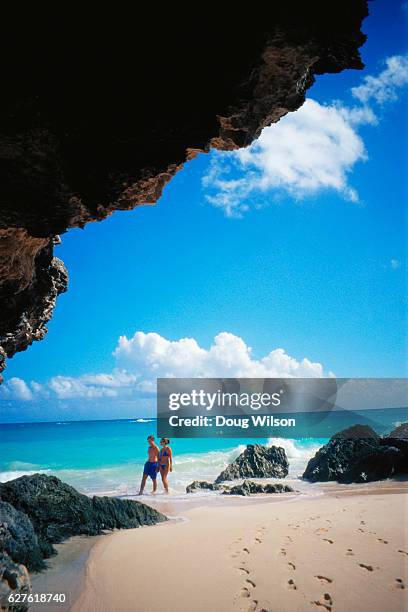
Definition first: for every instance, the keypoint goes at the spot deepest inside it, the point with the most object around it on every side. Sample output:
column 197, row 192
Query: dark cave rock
column 97, row 114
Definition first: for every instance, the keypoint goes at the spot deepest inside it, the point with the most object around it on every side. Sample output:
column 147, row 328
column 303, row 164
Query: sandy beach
column 344, row 550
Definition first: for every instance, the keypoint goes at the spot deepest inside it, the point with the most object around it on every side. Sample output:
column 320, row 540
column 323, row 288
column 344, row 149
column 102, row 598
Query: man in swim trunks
column 151, row 467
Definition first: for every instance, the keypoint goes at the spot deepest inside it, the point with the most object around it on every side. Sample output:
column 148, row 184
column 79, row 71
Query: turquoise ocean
column 108, row 456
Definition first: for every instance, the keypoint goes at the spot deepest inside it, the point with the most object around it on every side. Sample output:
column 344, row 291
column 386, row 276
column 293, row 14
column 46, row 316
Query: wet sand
column 65, row 573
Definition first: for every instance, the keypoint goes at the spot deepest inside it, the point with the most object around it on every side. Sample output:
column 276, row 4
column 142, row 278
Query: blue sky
column 316, row 266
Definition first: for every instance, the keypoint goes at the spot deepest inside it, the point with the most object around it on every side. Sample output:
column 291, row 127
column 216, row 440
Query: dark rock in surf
column 257, row 461
column 202, row 485
column 248, row 487
column 358, row 454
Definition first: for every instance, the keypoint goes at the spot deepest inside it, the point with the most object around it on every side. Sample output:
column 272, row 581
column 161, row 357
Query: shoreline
column 117, row 568
column 65, row 572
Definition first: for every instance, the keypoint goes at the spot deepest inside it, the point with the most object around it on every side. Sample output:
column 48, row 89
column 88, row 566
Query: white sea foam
column 298, row 453
column 11, row 475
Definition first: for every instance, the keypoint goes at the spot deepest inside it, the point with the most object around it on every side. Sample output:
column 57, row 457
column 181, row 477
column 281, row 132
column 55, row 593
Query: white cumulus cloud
column 307, row 151
column 385, row 86
column 146, row 356
column 152, row 355
column 16, row 388
column 311, row 150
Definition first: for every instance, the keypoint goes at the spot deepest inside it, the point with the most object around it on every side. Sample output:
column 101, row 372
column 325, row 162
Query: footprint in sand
column 383, row 541
column 282, row 552
column 327, row 540
column 369, row 568
column 258, row 540
column 399, row 583
column 292, row 585
column 243, row 570
column 245, row 592
column 292, row 565
column 404, row 552
column 246, row 551
column 326, row 603
column 349, row 552
column 324, row 579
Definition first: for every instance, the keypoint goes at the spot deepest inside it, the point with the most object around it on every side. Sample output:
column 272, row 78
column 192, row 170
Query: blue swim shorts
column 150, row 469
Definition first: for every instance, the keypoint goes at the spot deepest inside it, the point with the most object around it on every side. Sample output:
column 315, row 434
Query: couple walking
column 159, row 460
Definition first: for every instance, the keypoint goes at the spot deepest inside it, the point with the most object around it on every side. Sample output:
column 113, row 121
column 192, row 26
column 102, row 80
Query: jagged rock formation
column 203, row 485
column 248, row 487
column 14, row 578
column 57, row 511
column 358, row 454
column 39, row 511
column 18, row 549
column 399, row 433
column 18, row 538
column 97, row 116
column 257, row 461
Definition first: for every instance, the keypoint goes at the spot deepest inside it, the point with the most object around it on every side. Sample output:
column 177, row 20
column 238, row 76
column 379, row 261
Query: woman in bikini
column 165, row 462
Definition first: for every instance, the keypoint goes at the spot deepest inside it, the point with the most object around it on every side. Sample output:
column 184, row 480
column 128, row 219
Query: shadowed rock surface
column 358, row 454
column 248, row 487
column 14, row 578
column 18, row 538
column 257, row 461
column 98, row 114
column 57, row 511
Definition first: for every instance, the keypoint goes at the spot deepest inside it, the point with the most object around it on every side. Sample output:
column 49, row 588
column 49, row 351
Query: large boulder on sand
column 358, row 454
column 257, row 461
column 57, row 511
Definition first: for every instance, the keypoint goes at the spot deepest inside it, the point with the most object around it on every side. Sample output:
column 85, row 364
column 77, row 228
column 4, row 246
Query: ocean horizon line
column 63, row 421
